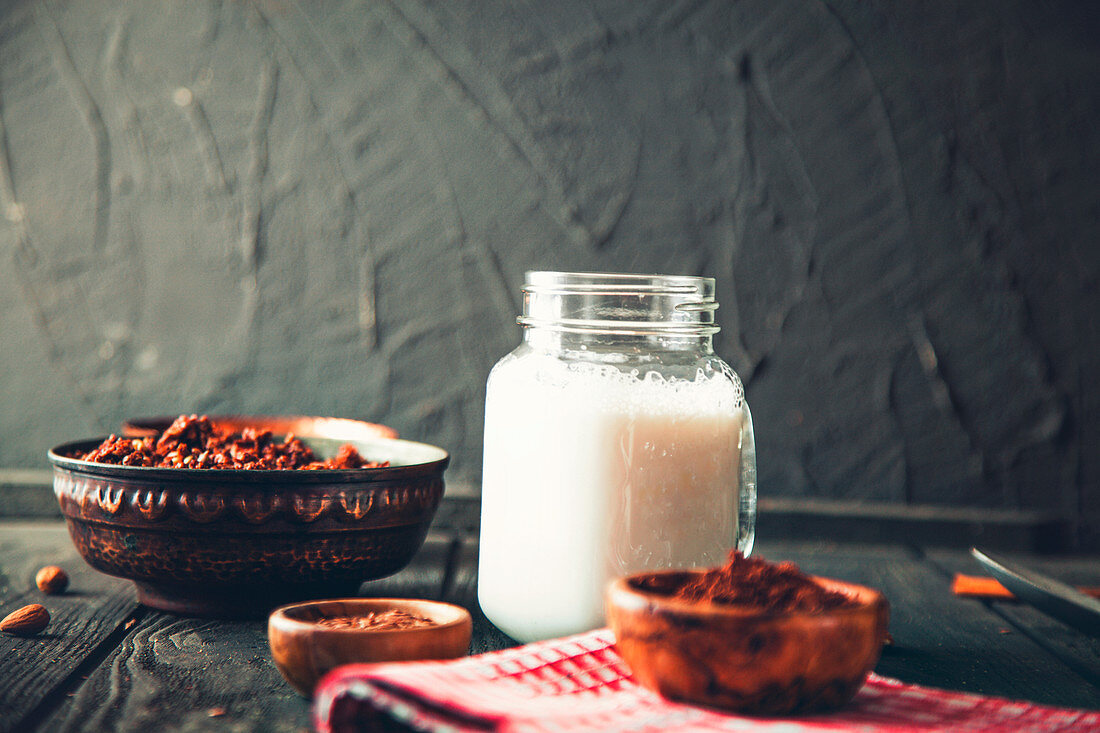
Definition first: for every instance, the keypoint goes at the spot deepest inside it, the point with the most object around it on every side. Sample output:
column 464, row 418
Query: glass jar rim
column 686, row 303
column 554, row 282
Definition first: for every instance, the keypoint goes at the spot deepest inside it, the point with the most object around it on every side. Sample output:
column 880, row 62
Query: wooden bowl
column 304, row 651
column 744, row 659
column 237, row 543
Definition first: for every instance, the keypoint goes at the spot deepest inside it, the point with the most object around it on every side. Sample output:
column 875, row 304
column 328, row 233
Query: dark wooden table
column 107, row 663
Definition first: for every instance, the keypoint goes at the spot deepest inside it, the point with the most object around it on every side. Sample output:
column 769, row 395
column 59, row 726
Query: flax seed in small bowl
column 309, row 639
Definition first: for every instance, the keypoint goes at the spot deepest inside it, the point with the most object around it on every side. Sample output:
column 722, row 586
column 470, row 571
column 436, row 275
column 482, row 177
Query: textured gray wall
column 292, row 207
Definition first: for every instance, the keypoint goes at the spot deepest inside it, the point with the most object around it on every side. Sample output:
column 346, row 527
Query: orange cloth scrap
column 977, row 586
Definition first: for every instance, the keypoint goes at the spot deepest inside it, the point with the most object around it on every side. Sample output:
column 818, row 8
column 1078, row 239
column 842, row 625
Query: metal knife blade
column 1050, row 596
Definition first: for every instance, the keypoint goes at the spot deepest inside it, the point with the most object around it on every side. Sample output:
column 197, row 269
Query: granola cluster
column 193, row 441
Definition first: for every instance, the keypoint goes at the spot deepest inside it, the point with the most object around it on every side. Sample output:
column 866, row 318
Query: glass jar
column 615, row 441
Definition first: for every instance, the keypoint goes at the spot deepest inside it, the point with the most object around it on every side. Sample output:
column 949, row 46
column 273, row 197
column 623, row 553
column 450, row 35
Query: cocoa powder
column 778, row 588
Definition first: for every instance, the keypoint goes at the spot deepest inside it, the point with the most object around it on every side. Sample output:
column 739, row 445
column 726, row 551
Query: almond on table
column 51, row 580
column 26, row 621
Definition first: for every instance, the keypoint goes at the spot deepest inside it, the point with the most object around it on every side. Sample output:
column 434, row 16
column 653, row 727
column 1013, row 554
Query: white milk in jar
column 614, row 443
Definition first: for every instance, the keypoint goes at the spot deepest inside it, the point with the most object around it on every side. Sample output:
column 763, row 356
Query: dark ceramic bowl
column 231, row 543
column 743, row 659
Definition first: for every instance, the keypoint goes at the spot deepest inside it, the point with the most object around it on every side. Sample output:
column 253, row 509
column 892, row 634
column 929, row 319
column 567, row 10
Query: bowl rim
column 61, row 460
column 280, row 619
column 623, row 588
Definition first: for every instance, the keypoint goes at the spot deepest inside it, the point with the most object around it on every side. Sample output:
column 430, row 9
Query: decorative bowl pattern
column 238, row 543
column 744, row 659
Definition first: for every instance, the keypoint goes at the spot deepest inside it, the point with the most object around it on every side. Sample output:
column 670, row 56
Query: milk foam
column 611, row 388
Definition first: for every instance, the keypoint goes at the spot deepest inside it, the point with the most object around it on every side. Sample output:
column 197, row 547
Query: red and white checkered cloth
column 580, row 683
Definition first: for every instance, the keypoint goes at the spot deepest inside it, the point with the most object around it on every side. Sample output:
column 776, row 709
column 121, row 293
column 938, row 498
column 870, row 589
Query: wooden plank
column 1078, row 651
column 27, row 493
column 170, row 673
column 174, row 674
column 940, row 640
column 86, row 621
column 920, row 525
column 183, row 674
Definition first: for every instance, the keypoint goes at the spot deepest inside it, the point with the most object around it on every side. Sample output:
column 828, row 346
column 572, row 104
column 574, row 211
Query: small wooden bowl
column 745, row 660
column 304, row 651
